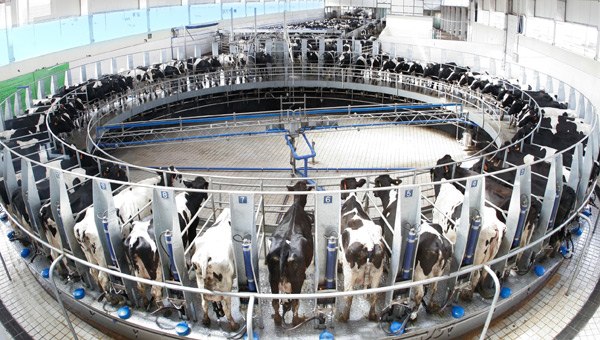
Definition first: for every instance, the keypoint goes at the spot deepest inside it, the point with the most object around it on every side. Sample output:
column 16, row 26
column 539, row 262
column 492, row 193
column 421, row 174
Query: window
column 580, row 39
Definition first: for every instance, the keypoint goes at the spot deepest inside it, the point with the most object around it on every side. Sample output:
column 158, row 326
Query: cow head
column 442, row 170
column 350, row 184
column 385, row 181
column 198, row 183
column 114, row 172
column 300, row 186
column 172, row 176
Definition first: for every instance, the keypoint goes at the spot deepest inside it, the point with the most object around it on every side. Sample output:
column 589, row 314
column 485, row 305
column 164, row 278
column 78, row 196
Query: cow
column 80, row 198
column 446, row 213
column 214, row 267
column 142, row 252
column 130, row 204
column 363, row 251
column 290, row 254
column 188, row 203
column 434, row 251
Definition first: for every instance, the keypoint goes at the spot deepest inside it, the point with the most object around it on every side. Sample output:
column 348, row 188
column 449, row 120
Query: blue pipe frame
column 381, row 109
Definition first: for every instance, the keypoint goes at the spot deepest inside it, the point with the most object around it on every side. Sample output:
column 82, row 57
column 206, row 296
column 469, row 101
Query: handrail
column 306, row 296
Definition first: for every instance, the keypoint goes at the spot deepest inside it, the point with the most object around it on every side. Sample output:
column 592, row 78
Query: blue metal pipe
column 113, row 257
column 169, row 241
column 472, row 240
column 409, row 254
column 247, row 251
column 331, row 263
column 279, row 131
column 521, row 223
column 385, row 108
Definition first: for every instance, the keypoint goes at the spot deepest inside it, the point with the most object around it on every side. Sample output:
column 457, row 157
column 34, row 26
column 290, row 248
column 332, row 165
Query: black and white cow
column 434, row 251
column 290, row 253
column 214, row 266
column 363, row 252
column 142, row 252
column 130, row 204
column 188, row 203
column 446, row 213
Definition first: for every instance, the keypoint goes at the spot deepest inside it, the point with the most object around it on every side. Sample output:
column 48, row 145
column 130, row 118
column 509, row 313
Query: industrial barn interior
column 302, row 169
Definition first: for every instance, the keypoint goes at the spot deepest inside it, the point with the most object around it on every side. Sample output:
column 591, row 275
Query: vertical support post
column 53, row 84
column 244, row 225
column 31, row 197
column 41, row 89
column 549, row 84
column 327, row 226
column 68, row 78
column 10, row 179
column 173, row 261
column 146, row 58
column 517, row 213
column 408, row 217
column 576, row 167
column 98, row 69
column 572, row 99
column 586, row 168
column 129, row 63
column 7, row 110
column 113, row 66
column 61, row 211
column 17, row 104
column 83, row 73
column 104, row 208
column 28, row 99
column 561, row 91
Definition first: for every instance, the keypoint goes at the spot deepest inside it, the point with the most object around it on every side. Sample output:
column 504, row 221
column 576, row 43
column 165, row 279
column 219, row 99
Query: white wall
column 577, row 71
column 408, row 26
column 481, row 33
column 66, row 8
column 96, row 6
column 158, row 3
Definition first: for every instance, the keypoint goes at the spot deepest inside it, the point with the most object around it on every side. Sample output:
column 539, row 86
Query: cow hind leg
column 296, row 319
column 349, row 280
column 227, row 310
column 375, row 274
column 205, row 318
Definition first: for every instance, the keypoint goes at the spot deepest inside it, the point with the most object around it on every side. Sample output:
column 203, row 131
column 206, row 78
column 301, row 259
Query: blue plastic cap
column 124, row 312
column 3, row 216
column 45, row 273
column 396, row 328
column 577, row 231
column 182, row 329
column 253, row 335
column 587, row 212
column 326, row 335
column 79, row 293
column 505, row 292
column 539, row 270
column 11, row 235
column 25, row 252
column 563, row 250
column 458, row 312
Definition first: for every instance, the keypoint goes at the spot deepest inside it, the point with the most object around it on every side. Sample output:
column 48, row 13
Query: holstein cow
column 188, row 204
column 213, row 263
column 434, row 251
column 142, row 251
column 80, row 198
column 290, row 253
column 362, row 253
column 448, row 204
column 141, row 243
column 130, row 204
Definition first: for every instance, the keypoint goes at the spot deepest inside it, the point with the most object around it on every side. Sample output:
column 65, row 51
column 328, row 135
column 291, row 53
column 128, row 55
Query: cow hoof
column 277, row 319
column 234, row 326
column 297, row 320
column 206, row 322
column 413, row 316
column 467, row 295
column 344, row 318
column 372, row 316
